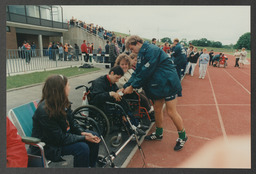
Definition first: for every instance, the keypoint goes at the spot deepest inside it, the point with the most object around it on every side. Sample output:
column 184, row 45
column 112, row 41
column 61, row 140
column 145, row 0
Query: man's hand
column 91, row 138
column 116, row 96
column 128, row 90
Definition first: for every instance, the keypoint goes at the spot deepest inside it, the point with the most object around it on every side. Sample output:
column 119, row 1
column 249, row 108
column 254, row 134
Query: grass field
column 39, row 77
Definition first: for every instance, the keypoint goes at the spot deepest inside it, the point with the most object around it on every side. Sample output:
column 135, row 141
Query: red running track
column 217, row 106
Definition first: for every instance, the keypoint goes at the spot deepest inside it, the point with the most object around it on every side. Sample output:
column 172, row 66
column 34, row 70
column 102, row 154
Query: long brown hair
column 54, row 95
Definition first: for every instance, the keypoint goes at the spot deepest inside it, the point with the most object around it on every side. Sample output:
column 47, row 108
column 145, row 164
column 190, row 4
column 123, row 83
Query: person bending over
column 54, row 124
column 156, row 74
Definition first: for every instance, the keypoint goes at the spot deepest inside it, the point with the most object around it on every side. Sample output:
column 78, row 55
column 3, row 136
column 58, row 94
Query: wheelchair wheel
column 96, row 114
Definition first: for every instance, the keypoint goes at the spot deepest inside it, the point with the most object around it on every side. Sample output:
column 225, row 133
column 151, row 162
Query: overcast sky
column 217, row 23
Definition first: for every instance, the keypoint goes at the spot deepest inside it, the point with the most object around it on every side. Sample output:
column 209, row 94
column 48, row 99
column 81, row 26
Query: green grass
column 224, row 50
column 39, row 77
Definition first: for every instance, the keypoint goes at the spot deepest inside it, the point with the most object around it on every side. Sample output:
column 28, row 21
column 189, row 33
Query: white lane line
column 150, row 165
column 238, row 82
column 218, row 111
column 199, row 137
column 214, row 105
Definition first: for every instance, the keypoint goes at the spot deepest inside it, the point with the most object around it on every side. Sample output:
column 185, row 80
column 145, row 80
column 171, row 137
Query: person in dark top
column 54, row 124
column 112, row 51
column 104, row 89
column 193, row 57
column 179, row 56
column 107, row 52
column 77, row 52
column 211, row 54
column 156, row 74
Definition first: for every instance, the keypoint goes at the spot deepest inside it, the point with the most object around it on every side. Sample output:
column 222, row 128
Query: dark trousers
column 237, row 65
column 85, row 153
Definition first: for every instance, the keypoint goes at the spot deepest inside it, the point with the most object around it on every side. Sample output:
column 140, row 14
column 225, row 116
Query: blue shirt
column 204, row 58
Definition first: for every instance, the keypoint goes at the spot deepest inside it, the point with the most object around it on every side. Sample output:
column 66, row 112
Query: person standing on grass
column 203, row 61
column 156, row 74
column 237, row 56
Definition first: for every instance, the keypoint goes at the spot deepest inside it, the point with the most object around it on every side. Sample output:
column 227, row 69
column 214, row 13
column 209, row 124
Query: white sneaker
column 202, row 77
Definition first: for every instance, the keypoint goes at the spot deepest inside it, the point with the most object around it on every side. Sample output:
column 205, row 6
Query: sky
column 216, row 23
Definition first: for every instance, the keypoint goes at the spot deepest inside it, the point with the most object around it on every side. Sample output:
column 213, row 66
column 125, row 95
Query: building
column 34, row 23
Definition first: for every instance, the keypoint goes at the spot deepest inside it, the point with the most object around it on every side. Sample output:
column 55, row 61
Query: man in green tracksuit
column 156, row 74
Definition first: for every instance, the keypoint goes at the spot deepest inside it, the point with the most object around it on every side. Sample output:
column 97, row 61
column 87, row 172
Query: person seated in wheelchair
column 54, row 124
column 124, row 61
column 216, row 59
column 104, row 89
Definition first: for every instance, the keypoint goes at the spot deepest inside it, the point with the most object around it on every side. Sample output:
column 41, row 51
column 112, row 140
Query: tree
column 217, row 44
column 244, row 41
column 166, row 39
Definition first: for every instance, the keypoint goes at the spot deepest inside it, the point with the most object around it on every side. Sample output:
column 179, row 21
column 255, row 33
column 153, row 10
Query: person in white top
column 237, row 56
column 243, row 55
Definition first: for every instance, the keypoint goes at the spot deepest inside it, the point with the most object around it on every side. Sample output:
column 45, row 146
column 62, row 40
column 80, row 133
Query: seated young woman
column 125, row 62
column 54, row 124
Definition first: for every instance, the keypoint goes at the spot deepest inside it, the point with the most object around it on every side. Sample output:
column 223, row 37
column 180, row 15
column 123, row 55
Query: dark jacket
column 155, row 72
column 179, row 55
column 99, row 91
column 193, row 57
column 107, row 49
column 112, row 52
column 54, row 133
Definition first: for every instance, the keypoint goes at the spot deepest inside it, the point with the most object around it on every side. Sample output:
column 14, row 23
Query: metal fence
column 22, row 61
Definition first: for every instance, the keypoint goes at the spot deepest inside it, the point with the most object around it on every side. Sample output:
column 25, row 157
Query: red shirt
column 166, row 48
column 16, row 153
column 84, row 48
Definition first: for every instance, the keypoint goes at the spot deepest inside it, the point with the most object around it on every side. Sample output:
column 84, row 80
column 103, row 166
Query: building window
column 32, row 11
column 57, row 13
column 8, row 29
column 17, row 9
column 46, row 12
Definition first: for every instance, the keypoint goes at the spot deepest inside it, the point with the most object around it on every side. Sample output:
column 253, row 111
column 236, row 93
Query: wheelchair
column 110, row 117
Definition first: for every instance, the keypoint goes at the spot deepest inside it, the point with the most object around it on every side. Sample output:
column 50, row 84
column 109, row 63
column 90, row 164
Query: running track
column 218, row 106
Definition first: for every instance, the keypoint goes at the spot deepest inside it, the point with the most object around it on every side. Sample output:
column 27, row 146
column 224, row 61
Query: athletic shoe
column 153, row 136
column 202, row 77
column 180, row 143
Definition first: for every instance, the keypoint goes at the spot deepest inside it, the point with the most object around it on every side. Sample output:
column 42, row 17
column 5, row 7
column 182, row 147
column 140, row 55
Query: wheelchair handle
column 78, row 87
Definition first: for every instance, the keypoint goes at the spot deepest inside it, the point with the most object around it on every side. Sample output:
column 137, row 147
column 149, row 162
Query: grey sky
column 218, row 23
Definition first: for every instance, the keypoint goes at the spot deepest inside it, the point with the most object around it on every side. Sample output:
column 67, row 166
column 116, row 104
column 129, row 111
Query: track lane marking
column 238, row 82
column 218, row 111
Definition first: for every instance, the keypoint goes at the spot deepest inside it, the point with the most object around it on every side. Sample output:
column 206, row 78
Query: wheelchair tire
column 97, row 115
column 114, row 142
